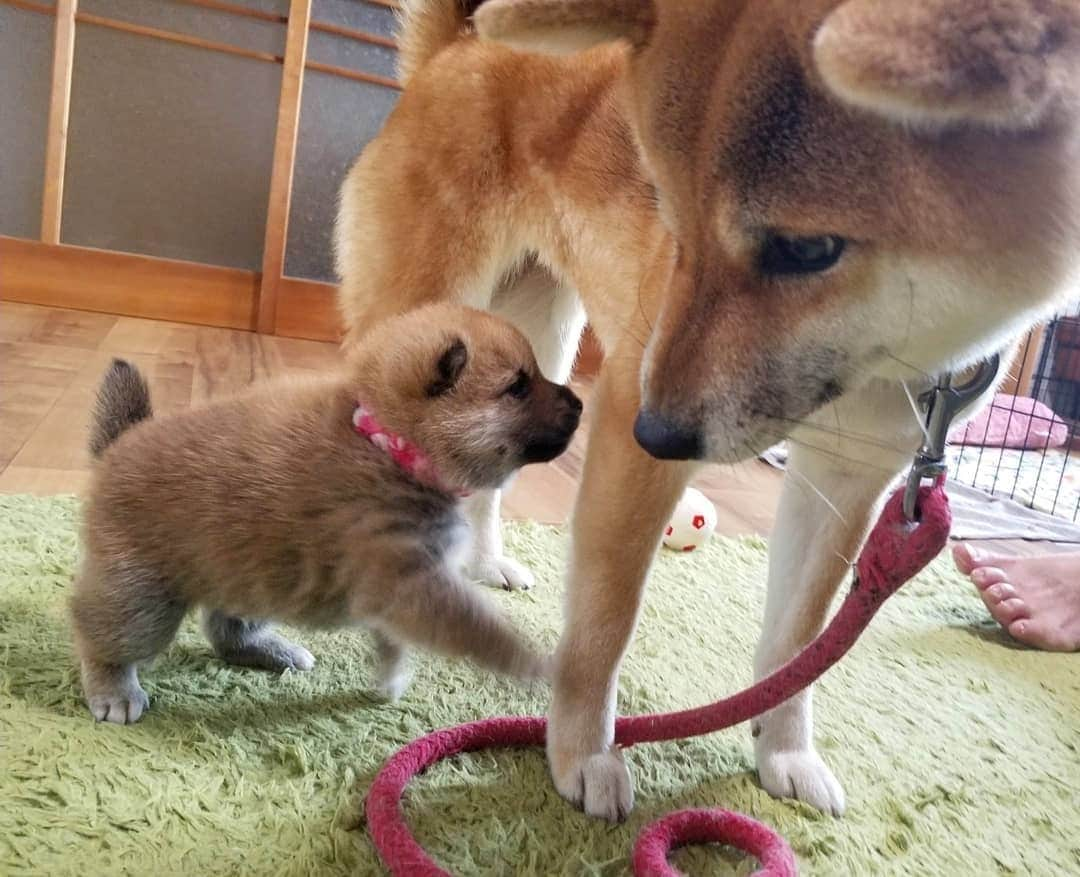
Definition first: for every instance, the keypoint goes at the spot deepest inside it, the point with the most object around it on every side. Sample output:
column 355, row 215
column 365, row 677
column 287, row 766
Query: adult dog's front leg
column 626, row 497
column 487, row 564
column 811, row 550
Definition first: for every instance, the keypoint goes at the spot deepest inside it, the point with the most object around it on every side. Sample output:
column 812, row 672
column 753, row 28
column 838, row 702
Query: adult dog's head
column 853, row 188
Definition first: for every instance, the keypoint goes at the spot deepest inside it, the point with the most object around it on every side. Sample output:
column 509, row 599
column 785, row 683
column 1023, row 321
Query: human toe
column 999, row 592
column 985, row 576
column 1008, row 611
column 1051, row 638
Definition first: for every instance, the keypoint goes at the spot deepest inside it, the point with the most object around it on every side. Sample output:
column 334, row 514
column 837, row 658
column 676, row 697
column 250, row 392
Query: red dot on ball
column 699, row 521
column 689, row 548
column 669, row 531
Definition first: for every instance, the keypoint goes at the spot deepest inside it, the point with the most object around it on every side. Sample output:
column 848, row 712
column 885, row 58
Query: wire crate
column 1026, row 447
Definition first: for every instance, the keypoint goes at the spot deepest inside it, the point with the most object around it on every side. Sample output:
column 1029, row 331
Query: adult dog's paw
column 499, row 571
column 599, row 784
column 803, row 775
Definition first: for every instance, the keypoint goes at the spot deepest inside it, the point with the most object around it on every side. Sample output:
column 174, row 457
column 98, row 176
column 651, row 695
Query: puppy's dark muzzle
column 546, row 444
column 667, row 440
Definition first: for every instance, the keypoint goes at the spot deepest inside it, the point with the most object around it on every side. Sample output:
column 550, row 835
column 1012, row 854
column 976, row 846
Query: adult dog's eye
column 797, row 255
column 521, row 386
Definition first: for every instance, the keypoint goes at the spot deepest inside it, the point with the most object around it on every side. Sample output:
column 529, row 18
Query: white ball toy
column 692, row 522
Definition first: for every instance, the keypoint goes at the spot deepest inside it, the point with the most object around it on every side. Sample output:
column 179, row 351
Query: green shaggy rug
column 959, row 751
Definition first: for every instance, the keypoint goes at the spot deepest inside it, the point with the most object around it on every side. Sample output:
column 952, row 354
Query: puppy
column 326, row 503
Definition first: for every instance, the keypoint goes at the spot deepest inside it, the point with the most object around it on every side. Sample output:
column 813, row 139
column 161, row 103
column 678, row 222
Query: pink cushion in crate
column 1013, row 422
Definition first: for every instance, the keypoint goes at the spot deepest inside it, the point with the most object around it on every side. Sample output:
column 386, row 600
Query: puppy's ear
column 941, row 63
column 559, row 27
column 448, row 368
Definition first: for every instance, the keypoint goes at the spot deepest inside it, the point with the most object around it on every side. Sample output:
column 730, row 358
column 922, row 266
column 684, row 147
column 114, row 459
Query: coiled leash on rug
column 912, row 530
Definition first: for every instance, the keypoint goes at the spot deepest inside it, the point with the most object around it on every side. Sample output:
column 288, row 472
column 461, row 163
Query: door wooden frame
column 50, row 272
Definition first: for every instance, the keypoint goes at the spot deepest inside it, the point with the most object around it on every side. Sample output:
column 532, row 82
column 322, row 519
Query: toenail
column 988, row 575
column 1014, row 607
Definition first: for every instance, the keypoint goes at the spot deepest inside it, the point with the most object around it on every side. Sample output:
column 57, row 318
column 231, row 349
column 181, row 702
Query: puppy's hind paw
column 269, row 651
column 499, row 571
column 121, row 707
column 801, row 774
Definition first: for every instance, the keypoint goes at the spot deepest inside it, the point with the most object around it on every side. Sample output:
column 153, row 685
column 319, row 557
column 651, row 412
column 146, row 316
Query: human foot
column 1036, row 599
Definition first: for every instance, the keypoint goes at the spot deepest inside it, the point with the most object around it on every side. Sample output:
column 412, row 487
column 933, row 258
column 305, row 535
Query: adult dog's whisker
column 828, row 502
column 915, row 410
column 833, row 454
column 858, row 438
column 909, row 365
column 641, row 306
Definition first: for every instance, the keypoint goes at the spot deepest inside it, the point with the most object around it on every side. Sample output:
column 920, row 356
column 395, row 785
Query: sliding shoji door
column 180, row 159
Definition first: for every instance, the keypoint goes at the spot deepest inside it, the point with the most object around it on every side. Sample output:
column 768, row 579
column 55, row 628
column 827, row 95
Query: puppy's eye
column 782, row 254
column 521, row 386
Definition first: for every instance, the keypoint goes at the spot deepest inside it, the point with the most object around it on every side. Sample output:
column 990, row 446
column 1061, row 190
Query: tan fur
column 567, row 26
column 651, row 176
column 271, row 506
column 124, row 400
column 1005, row 63
column 426, row 30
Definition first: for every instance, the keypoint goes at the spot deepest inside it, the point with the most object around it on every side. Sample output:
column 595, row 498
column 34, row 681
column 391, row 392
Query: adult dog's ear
column 559, row 27
column 938, row 63
column 448, row 368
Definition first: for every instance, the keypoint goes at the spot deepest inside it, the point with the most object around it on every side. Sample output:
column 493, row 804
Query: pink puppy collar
column 403, row 452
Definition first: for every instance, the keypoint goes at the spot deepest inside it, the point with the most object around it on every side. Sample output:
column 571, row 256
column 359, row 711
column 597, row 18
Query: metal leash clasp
column 943, row 403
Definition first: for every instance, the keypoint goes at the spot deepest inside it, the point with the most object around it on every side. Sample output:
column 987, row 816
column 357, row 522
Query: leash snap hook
column 943, row 403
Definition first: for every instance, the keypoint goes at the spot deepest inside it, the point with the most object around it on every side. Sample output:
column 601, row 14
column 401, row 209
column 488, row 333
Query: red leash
column 895, row 552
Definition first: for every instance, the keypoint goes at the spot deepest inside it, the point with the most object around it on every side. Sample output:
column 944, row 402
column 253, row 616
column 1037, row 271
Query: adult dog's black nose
column 665, row 439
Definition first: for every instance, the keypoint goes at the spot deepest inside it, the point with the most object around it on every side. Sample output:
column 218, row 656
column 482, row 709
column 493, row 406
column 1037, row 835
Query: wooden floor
column 51, row 361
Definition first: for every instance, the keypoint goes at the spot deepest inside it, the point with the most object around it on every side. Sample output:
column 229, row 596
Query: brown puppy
column 782, row 217
column 326, row 503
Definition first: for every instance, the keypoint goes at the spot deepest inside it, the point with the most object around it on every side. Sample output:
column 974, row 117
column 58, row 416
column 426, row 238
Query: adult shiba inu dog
column 781, row 217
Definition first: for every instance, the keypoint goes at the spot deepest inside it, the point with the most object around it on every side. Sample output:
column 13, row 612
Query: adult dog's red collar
column 403, row 452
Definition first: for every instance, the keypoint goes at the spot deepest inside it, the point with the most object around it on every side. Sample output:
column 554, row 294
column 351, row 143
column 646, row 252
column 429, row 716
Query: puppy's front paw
column 600, row 784
column 392, row 683
column 499, row 571
column 124, row 706
column 803, row 775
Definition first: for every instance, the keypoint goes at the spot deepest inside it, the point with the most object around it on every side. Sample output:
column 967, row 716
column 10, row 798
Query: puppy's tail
column 123, row 400
column 426, row 27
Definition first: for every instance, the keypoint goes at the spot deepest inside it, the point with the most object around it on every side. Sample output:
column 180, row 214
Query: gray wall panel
column 210, row 24
column 337, row 119
column 356, row 14
column 26, row 41
column 170, row 149
column 352, row 54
